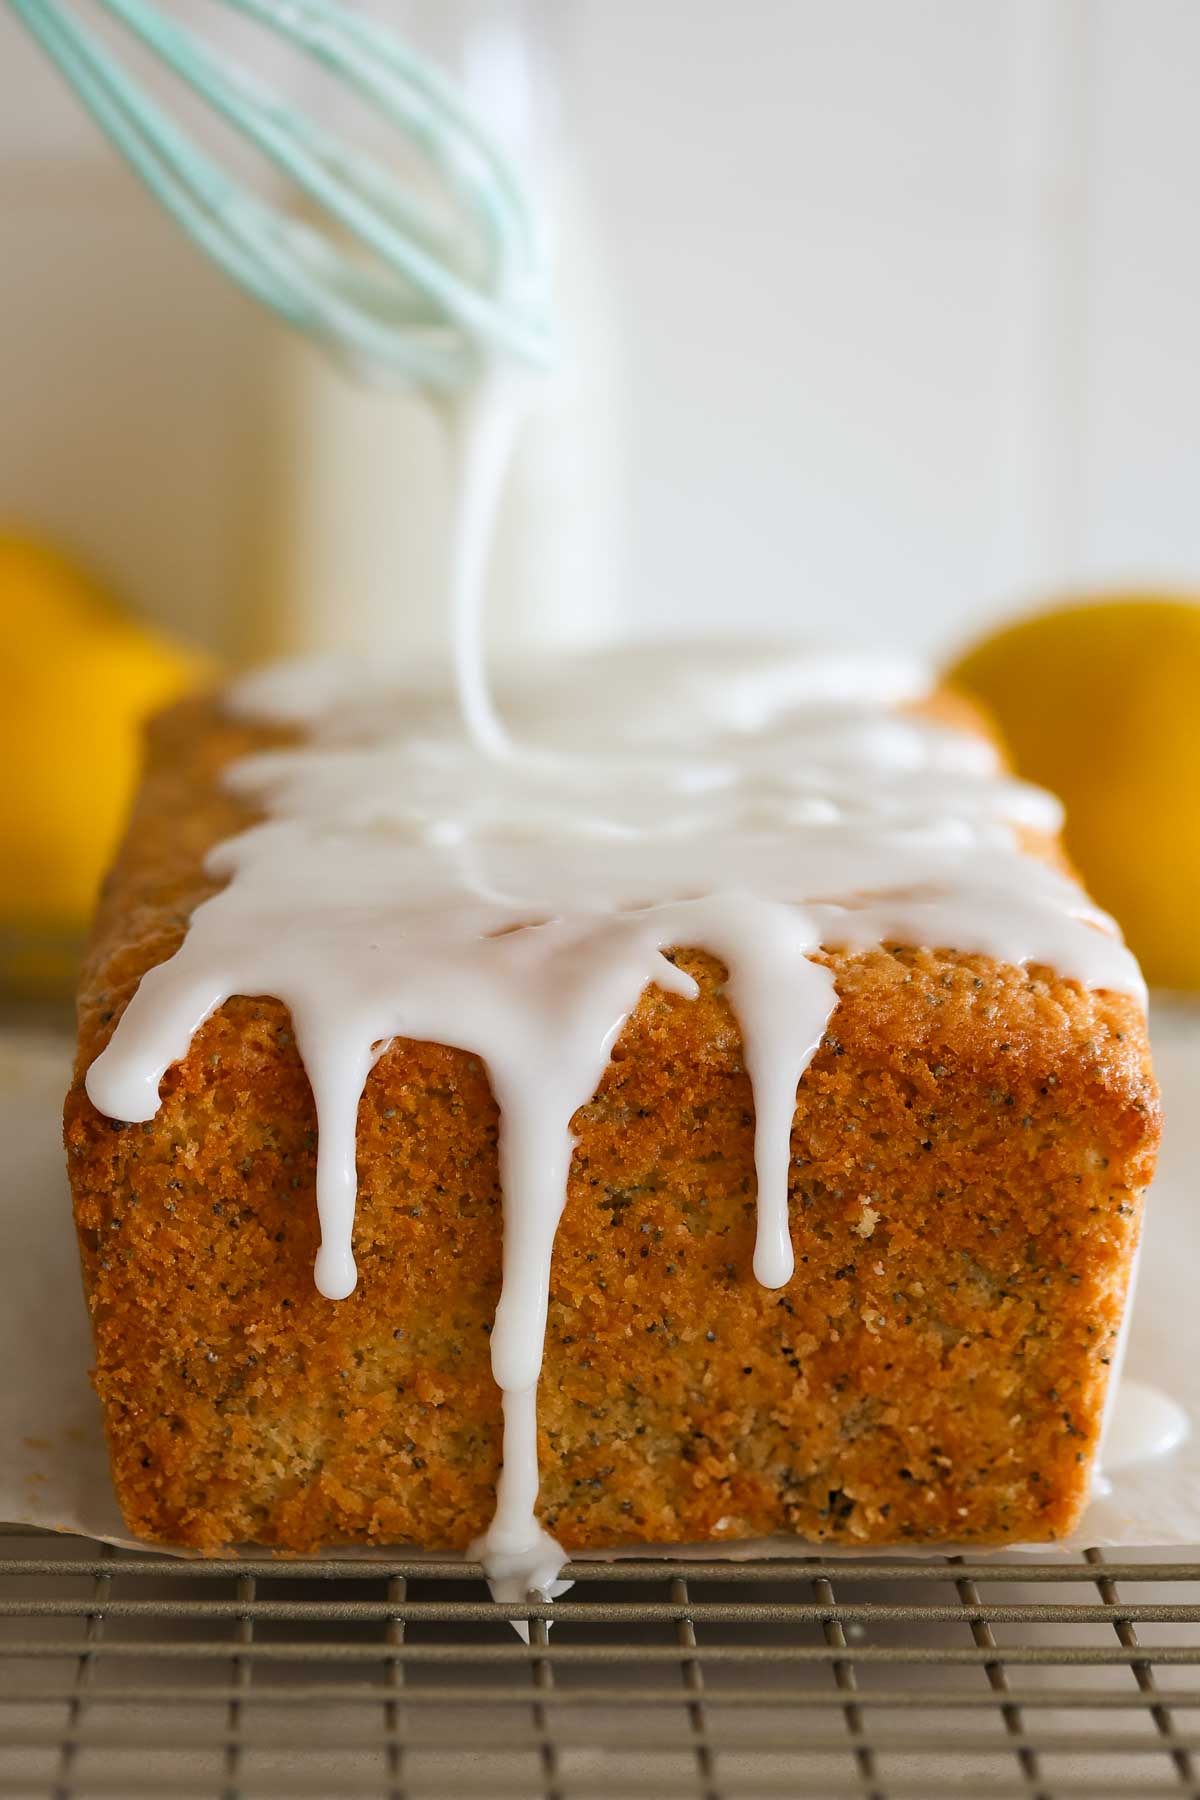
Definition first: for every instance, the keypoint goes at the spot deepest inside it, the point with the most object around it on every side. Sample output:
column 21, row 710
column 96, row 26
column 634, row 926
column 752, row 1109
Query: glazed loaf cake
column 969, row 1151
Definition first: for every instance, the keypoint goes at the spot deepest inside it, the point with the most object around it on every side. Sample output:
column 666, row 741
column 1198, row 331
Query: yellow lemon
column 79, row 679
column 1100, row 701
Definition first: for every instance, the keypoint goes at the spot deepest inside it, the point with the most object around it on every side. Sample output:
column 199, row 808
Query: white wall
column 910, row 293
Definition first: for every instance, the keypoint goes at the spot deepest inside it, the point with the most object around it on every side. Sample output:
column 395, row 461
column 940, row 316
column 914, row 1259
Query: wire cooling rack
column 139, row 1675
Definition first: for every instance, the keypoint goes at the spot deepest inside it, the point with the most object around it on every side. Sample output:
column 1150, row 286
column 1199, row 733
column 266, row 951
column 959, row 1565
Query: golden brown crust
column 969, row 1152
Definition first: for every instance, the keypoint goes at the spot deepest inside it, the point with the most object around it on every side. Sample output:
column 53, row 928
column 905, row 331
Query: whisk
column 441, row 285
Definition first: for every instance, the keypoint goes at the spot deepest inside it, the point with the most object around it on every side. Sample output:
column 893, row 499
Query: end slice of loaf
column 969, row 1154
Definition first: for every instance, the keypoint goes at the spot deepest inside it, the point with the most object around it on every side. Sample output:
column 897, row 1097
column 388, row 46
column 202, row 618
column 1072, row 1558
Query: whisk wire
column 149, row 143
column 413, row 95
column 437, row 292
column 271, row 125
column 324, row 25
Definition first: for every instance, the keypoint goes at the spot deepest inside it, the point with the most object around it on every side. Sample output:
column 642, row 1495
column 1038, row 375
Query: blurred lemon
column 79, row 678
column 1100, row 702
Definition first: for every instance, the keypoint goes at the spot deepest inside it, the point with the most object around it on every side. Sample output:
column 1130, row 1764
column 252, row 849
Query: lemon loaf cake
column 794, row 1186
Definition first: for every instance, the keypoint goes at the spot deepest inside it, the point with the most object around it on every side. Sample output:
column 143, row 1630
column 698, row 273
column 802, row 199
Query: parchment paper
column 53, row 1466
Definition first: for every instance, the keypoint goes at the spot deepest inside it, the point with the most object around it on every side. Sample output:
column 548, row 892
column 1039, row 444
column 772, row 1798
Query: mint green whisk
column 441, row 285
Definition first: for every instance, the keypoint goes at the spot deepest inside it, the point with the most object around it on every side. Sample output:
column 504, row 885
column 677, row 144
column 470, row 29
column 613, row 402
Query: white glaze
column 404, row 883
column 1144, row 1423
column 483, row 425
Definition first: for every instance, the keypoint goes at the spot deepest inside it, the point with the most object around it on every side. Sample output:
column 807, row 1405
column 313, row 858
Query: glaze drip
column 758, row 805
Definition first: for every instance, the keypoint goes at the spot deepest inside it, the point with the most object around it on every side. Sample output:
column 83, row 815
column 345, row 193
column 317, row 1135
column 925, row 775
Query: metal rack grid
column 134, row 1675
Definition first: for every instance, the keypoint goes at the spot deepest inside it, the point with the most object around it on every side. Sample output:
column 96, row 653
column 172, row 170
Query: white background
column 908, row 290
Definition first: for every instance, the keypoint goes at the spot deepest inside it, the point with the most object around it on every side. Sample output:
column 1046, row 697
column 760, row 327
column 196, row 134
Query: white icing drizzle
column 759, row 805
column 483, row 425
column 1144, row 1423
